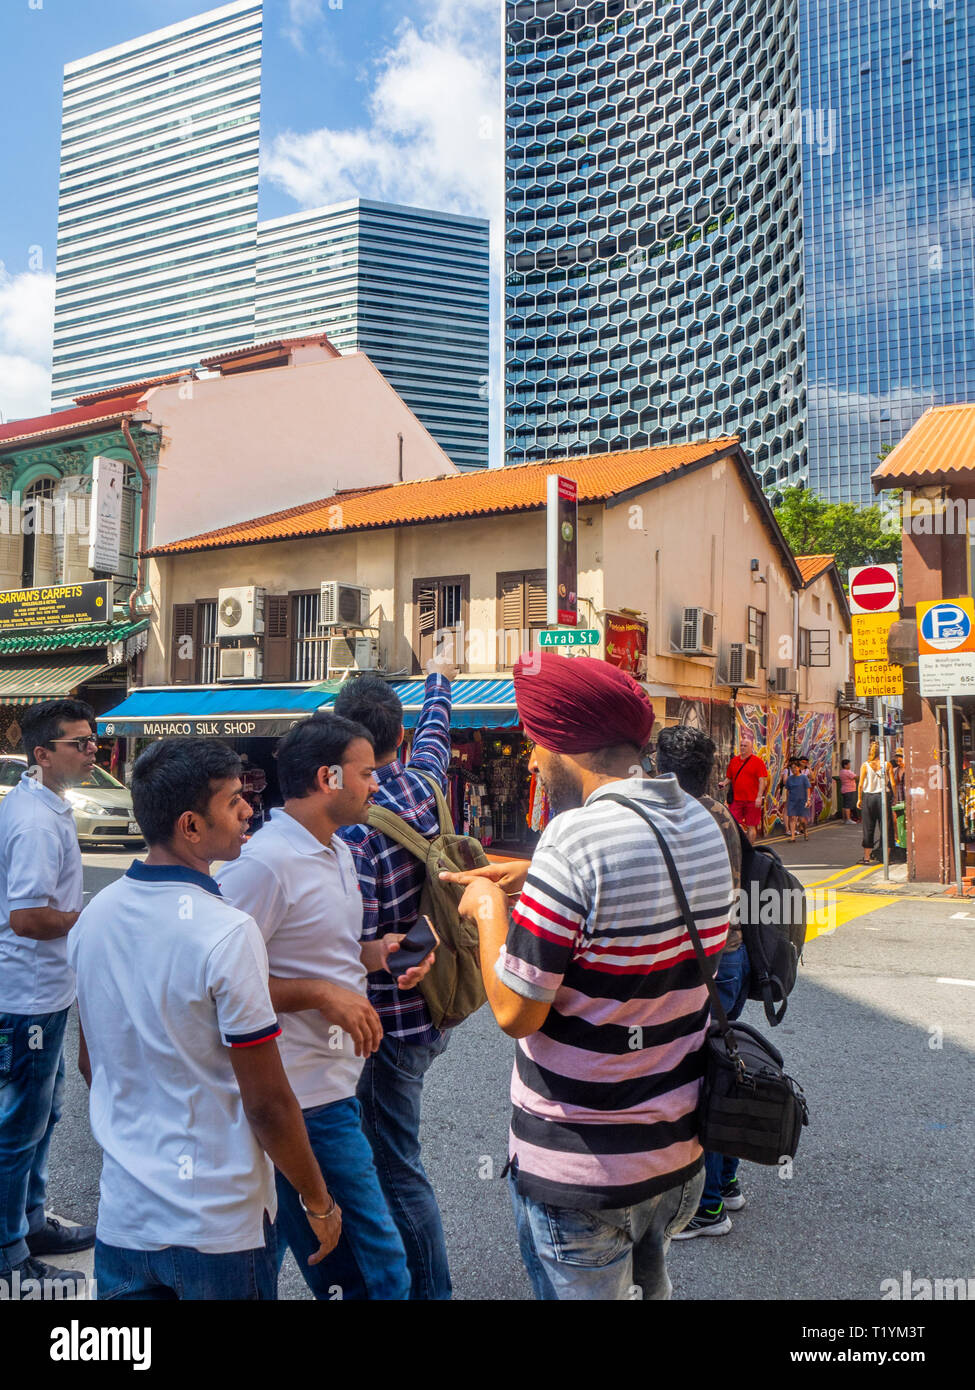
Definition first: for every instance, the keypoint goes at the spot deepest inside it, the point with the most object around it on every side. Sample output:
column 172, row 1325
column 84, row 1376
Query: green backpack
column 453, row 987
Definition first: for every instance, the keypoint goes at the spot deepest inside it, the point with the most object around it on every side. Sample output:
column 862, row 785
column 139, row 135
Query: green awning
column 46, row 682
column 70, row 638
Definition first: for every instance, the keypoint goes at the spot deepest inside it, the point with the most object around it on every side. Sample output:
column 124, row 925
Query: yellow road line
column 841, row 910
column 855, row 872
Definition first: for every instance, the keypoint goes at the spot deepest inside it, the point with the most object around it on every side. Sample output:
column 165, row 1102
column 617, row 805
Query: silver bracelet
column 317, row 1216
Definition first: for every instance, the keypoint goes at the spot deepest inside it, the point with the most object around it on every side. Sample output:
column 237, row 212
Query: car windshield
column 98, row 777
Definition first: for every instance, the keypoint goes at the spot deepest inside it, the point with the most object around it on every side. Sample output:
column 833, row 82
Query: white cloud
column 434, row 134
column 26, row 328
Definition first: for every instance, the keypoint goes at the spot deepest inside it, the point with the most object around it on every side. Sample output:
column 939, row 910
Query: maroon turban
column 576, row 706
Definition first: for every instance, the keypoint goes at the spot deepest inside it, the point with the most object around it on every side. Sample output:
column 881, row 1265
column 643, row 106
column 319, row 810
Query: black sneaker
column 56, row 1239
column 706, row 1223
column 732, row 1195
column 33, row 1279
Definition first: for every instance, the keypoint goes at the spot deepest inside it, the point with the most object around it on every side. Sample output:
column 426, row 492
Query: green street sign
column 569, row 637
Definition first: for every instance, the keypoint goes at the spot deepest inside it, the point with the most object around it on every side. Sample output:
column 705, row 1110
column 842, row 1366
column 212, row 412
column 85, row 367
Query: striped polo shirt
column 604, row 1095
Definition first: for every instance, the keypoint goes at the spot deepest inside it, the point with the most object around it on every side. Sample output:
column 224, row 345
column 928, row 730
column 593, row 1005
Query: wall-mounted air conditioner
column 743, row 664
column 240, row 611
column 344, row 605
column 241, row 664
column 353, row 654
column 785, row 680
column 697, row 632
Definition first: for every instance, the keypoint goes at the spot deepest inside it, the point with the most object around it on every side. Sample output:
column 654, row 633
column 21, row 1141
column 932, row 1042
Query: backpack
column 454, row 986
column 772, row 913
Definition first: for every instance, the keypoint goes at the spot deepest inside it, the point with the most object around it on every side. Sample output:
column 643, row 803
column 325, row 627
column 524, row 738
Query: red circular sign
column 873, row 589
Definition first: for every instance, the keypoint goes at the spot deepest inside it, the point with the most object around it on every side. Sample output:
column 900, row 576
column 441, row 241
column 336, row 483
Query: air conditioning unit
column 697, row 632
column 785, row 680
column 353, row 654
column 344, row 605
column 241, row 664
column 240, row 611
column 743, row 664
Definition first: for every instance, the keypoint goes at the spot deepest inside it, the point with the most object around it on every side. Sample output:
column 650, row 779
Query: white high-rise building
column 407, row 286
column 157, row 210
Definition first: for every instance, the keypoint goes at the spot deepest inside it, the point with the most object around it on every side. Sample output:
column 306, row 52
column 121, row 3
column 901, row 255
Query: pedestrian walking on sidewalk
column 848, row 790
column 870, row 798
column 40, row 898
column 798, row 800
column 595, row 975
column 748, row 779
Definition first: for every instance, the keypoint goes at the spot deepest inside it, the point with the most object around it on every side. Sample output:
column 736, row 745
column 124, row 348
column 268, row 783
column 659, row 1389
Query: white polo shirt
column 40, row 866
column 170, row 977
column 305, row 898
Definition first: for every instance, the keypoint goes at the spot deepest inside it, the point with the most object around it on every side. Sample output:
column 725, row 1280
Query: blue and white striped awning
column 488, row 704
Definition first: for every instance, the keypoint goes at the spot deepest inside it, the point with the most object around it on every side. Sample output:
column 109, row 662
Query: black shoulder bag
column 749, row 1108
column 731, row 788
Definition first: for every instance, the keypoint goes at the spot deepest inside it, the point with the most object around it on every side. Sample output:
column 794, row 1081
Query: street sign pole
column 882, row 738
column 952, row 773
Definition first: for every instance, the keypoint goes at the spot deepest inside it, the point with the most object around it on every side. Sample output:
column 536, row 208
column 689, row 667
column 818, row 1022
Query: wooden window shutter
column 183, row 664
column 45, row 563
column 277, row 638
column 77, row 512
column 536, row 599
column 512, row 602
column 11, row 557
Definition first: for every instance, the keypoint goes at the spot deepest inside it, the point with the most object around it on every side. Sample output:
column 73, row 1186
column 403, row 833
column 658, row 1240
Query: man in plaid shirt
column 391, row 880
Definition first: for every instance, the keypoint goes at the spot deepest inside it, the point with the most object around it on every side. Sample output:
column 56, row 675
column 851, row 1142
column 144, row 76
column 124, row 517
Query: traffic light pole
column 953, row 775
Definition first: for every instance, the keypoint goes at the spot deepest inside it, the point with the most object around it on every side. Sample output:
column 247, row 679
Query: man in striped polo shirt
column 595, row 975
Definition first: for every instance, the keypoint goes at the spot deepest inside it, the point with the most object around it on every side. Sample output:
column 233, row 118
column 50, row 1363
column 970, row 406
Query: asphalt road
column 880, row 1039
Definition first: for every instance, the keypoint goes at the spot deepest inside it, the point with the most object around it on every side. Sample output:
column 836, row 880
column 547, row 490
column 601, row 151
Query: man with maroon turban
column 595, row 975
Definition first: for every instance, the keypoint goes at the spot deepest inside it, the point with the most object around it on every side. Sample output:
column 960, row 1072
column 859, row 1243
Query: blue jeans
column 369, row 1261
column 31, row 1086
column 179, row 1272
column 609, row 1255
column 390, row 1090
column 732, row 982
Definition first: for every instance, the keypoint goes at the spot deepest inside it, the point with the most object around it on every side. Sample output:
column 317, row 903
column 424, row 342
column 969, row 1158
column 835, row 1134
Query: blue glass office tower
column 654, row 229
column 889, row 220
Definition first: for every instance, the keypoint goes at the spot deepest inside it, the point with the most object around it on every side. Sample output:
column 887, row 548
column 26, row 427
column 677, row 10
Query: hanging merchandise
column 966, row 804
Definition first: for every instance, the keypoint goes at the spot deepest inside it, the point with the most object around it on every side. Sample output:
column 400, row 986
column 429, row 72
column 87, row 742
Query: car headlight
column 88, row 808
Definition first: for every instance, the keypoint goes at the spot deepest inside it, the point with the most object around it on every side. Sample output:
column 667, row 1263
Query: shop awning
column 475, row 704
column 240, row 711
column 46, row 682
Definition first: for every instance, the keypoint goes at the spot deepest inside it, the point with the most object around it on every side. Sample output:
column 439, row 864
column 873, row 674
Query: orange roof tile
column 256, row 349
column 109, row 393
column 938, row 448
column 488, row 492
column 811, row 566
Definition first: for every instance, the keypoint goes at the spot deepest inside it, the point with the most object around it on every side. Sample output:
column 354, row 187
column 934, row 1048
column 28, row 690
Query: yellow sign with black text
column 870, row 635
column 873, row 678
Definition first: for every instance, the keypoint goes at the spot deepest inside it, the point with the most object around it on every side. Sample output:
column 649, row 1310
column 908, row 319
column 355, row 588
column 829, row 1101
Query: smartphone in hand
column 416, row 945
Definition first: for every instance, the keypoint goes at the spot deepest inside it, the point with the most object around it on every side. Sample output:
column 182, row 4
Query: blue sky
column 394, row 99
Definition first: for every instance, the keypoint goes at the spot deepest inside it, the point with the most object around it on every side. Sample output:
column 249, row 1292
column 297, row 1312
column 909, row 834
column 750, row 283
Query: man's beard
column 562, row 788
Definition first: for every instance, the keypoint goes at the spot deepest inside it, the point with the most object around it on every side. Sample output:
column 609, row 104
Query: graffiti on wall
column 778, row 735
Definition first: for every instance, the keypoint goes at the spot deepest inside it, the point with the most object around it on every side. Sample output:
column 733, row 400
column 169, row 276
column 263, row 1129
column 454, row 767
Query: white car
column 102, row 806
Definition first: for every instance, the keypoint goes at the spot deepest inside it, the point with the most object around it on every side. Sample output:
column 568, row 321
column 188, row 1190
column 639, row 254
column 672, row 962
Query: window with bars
column 39, row 561
column 195, row 658
column 756, row 634
column 209, row 667
column 440, row 613
column 310, row 640
column 804, row 647
column 522, row 612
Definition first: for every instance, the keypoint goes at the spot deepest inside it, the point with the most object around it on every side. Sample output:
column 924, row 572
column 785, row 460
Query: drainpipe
column 400, row 438
column 795, row 665
column 137, row 593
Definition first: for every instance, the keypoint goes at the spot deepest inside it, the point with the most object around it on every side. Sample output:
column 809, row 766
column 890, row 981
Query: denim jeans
column 31, row 1086
column 179, row 1272
column 390, row 1090
column 731, row 979
column 369, row 1261
column 609, row 1255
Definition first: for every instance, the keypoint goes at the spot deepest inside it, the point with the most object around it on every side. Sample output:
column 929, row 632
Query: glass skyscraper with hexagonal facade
column 654, row 229
column 889, row 226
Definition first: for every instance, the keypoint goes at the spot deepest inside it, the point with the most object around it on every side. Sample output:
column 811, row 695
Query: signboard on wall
column 105, row 535
column 870, row 635
column 61, row 605
column 562, row 530
column 946, row 647
column 626, row 644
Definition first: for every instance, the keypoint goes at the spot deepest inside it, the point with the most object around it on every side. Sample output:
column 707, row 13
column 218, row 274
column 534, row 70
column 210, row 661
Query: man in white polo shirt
column 188, row 1094
column 40, row 898
column 298, row 881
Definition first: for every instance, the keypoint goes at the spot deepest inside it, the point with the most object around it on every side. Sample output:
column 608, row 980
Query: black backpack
column 772, row 913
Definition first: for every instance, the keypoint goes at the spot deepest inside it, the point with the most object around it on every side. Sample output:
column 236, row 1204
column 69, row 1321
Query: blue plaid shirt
column 390, row 877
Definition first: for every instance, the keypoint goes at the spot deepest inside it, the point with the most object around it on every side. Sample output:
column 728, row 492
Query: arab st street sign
column 569, row 637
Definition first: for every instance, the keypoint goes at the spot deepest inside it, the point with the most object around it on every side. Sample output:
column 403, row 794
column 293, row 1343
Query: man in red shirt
column 747, row 779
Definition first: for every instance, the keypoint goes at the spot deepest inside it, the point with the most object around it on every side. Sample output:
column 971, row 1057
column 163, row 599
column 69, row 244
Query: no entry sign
column 873, row 589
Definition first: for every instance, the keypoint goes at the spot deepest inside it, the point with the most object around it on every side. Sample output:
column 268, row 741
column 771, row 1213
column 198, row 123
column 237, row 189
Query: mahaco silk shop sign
column 61, row 605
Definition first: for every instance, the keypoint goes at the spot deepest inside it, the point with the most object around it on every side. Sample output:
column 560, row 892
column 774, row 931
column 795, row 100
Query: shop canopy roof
column 46, row 682
column 267, row 711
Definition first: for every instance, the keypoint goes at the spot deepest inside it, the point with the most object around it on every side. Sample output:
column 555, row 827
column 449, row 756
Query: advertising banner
column 626, row 644
column 105, row 535
column 562, row 551
column 61, row 605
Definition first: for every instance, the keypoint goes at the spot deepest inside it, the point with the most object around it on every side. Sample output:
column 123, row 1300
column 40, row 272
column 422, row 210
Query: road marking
column 945, row 980
column 855, row 872
column 962, row 917
column 844, row 909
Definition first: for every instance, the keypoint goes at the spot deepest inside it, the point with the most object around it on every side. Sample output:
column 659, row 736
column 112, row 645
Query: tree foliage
column 855, row 535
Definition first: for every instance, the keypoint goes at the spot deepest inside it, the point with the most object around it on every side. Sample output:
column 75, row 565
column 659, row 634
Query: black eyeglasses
column 85, row 741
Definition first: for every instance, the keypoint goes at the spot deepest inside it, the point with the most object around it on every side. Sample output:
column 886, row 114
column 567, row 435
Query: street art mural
column 778, row 735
